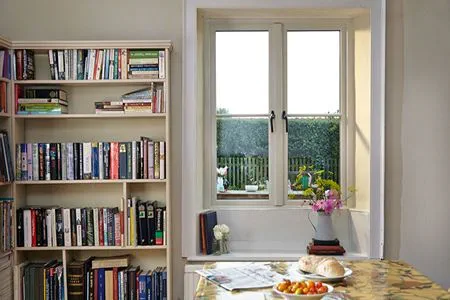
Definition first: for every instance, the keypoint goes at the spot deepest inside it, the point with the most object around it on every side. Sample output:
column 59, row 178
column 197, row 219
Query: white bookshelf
column 81, row 124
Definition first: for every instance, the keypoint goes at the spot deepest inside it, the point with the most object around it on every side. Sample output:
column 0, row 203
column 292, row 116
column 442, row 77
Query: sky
column 242, row 72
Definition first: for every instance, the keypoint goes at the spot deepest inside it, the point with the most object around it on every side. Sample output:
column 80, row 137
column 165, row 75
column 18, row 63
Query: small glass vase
column 221, row 246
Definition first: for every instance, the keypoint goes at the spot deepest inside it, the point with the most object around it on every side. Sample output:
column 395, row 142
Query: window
column 275, row 103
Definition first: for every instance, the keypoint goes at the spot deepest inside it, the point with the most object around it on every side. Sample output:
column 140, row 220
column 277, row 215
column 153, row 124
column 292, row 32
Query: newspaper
column 251, row 276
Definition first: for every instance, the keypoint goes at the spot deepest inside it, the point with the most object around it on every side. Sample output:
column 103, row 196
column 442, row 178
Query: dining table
column 369, row 279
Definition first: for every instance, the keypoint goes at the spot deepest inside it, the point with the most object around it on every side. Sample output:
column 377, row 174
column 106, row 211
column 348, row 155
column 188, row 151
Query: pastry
column 325, row 266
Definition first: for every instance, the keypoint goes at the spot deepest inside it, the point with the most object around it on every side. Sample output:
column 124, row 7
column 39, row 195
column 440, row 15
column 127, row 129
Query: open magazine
column 251, row 276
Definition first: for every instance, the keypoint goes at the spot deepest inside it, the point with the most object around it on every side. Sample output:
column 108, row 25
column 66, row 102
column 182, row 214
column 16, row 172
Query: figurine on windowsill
column 221, row 239
column 221, row 180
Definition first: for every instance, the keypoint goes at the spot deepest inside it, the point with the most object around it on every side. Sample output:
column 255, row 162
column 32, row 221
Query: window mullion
column 276, row 142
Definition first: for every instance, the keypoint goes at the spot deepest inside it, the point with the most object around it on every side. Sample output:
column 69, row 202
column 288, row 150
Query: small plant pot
column 251, row 188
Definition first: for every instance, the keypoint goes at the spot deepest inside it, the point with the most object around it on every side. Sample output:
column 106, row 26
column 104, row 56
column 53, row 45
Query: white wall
column 425, row 138
column 112, row 20
column 361, row 25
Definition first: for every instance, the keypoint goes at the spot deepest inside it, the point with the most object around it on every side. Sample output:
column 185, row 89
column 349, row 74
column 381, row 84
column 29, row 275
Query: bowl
column 302, row 296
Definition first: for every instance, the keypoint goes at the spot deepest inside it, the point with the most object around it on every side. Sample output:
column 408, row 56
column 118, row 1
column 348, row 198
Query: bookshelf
column 81, row 124
column 6, row 188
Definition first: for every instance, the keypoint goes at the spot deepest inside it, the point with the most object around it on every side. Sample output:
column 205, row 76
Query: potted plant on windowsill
column 324, row 196
column 251, row 184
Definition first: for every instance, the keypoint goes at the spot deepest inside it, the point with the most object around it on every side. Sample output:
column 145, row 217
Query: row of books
column 6, row 276
column 41, row 280
column 3, row 97
column 40, row 100
column 23, row 64
column 6, row 207
column 5, row 64
column 144, row 159
column 146, row 223
column 113, row 278
column 6, row 167
column 56, row 226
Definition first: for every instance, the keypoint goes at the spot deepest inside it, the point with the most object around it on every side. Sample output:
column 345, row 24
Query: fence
column 255, row 169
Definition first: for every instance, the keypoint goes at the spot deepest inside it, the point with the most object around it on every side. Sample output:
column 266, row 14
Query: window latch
column 271, row 117
column 285, row 117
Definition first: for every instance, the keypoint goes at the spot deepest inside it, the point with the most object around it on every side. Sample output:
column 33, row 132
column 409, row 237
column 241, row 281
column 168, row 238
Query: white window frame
column 193, row 111
column 278, row 163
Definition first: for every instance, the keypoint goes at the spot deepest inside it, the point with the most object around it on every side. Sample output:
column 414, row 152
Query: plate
column 309, row 297
column 317, row 277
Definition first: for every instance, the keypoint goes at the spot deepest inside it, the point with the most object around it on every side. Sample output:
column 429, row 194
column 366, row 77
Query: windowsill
column 266, row 256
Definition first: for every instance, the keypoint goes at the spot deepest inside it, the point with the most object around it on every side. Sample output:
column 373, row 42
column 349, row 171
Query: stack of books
column 146, row 64
column 139, row 101
column 109, row 107
column 207, row 220
column 114, row 278
column 41, row 280
column 331, row 247
column 42, row 101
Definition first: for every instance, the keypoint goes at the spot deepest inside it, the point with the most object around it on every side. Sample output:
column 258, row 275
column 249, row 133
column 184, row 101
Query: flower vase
column 223, row 246
column 324, row 228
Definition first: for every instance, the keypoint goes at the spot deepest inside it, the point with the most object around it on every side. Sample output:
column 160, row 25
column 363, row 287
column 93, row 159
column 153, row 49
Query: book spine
column 29, row 161
column 106, row 228
column 101, row 227
column 129, row 160
column 162, row 160
column 53, row 162
column 87, row 161
column 151, row 160
column 95, row 161
column 66, row 65
column 156, row 160
column 114, row 160
column 122, row 161
column 63, row 161
column 59, row 227
column 107, row 160
column 162, row 64
column 79, row 228
column 52, row 64
column 90, row 226
column 159, row 226
column 35, row 162
column 73, row 227
column 101, row 168
column 117, row 229
column 96, row 229
column 133, row 160
column 69, row 161
column 20, row 228
column 54, row 224
column 67, row 228
column 18, row 162
column 83, row 227
column 58, row 161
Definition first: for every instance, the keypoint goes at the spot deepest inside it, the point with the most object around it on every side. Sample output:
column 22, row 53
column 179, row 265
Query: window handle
column 271, row 117
column 285, row 117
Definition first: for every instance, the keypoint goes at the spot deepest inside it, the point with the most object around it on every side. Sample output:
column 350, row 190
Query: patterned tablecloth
column 371, row 279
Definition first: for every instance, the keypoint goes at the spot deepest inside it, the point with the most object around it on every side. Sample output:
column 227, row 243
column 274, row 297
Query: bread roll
column 325, row 266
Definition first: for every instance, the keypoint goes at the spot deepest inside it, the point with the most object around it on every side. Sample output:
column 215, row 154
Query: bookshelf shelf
column 90, row 181
column 5, row 183
column 94, row 116
column 3, row 79
column 114, row 82
column 93, row 248
column 81, row 124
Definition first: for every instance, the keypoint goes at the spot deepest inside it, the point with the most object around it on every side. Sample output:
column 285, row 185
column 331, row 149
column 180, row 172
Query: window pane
column 242, row 70
column 242, row 148
column 313, row 145
column 313, row 72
